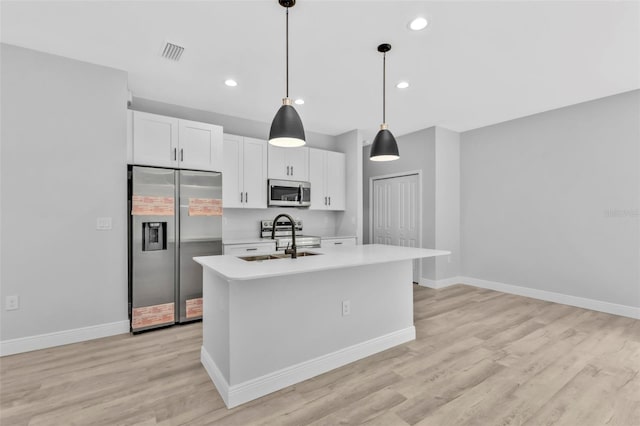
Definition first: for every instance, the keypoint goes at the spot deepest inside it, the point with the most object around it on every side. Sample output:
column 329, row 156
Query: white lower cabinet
column 244, row 180
column 331, row 242
column 327, row 174
column 249, row 249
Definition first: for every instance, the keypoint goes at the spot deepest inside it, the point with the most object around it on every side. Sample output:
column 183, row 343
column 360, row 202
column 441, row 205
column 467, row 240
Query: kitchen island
column 271, row 323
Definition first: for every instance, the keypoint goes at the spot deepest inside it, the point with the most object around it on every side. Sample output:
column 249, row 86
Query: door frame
column 396, row 175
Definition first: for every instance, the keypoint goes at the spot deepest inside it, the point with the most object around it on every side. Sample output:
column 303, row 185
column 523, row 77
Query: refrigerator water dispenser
column 154, row 236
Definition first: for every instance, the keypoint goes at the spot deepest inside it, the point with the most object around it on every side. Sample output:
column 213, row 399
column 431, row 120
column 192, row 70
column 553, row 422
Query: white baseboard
column 425, row 282
column 243, row 392
column 565, row 299
column 65, row 337
column 215, row 374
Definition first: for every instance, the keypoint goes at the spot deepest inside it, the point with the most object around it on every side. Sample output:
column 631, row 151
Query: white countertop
column 233, row 268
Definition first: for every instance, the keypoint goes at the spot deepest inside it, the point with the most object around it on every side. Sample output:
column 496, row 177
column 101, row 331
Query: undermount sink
column 275, row 256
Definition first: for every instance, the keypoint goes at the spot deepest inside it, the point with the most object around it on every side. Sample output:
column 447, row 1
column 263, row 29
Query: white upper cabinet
column 327, row 174
column 289, row 163
column 172, row 142
column 233, row 172
column 200, row 146
column 336, row 184
column 155, row 140
column 317, row 179
column 244, row 182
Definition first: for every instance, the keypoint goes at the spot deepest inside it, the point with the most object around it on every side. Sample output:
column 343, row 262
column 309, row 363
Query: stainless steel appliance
column 174, row 215
column 283, row 235
column 289, row 193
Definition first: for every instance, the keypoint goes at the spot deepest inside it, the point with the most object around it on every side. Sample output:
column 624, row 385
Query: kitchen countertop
column 234, row 268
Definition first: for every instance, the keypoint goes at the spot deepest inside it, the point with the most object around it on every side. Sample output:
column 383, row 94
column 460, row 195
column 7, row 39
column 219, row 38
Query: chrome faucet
column 293, row 251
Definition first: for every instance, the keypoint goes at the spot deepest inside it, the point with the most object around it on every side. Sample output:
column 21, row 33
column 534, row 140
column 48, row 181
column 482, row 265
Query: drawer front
column 337, row 242
column 249, row 249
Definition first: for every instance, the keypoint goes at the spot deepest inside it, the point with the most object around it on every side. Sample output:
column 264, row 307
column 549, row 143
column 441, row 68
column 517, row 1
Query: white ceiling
column 476, row 64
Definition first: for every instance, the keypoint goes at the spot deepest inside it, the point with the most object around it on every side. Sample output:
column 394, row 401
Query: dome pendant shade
column 286, row 128
column 384, row 146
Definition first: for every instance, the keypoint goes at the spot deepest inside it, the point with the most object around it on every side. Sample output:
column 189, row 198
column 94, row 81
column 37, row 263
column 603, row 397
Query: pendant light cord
column 287, row 52
column 384, row 87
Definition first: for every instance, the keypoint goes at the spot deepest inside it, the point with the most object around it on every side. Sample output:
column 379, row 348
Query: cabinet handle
column 329, row 200
column 287, row 170
column 246, row 197
column 325, row 201
column 291, row 170
column 181, row 154
column 175, row 154
column 252, row 249
column 241, row 197
column 337, row 244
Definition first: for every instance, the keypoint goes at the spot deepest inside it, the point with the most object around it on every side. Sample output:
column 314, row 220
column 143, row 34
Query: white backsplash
column 240, row 224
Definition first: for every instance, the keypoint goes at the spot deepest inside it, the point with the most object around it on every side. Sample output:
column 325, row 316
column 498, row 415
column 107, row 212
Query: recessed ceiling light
column 402, row 85
column 299, row 101
column 418, row 24
column 231, row 83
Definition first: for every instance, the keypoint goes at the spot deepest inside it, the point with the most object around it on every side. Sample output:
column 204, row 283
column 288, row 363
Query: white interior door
column 395, row 214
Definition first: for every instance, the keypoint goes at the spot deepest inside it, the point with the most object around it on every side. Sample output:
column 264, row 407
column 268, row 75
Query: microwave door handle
column 300, row 193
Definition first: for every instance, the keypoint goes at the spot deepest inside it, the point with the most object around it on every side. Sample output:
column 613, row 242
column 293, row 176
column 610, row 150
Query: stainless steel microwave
column 289, row 193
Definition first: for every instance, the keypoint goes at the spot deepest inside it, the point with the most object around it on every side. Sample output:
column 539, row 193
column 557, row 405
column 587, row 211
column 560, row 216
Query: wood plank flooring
column 480, row 358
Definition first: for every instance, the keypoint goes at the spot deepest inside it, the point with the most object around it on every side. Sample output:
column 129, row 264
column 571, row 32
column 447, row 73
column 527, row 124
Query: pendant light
column 286, row 128
column 384, row 146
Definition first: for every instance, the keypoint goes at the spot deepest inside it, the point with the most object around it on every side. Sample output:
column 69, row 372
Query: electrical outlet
column 11, row 303
column 346, row 307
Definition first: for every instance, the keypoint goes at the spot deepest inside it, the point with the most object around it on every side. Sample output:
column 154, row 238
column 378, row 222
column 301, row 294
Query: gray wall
column 417, row 152
column 447, row 202
column 551, row 201
column 63, row 164
column 350, row 221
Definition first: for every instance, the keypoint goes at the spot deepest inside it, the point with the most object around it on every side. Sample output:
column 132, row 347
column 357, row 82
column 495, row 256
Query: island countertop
column 233, row 268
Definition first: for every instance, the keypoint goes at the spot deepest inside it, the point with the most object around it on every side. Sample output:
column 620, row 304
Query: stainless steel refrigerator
column 174, row 215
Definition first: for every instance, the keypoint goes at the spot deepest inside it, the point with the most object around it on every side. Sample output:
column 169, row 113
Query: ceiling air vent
column 172, row 51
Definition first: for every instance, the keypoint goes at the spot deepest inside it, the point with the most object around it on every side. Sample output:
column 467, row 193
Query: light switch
column 103, row 223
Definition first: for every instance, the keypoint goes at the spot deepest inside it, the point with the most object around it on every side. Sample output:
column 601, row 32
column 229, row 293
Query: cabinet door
column 249, row 249
column 289, row 163
column 298, row 162
column 278, row 167
column 155, row 140
column 336, row 180
column 200, row 146
column 337, row 242
column 232, row 185
column 255, row 173
column 317, row 159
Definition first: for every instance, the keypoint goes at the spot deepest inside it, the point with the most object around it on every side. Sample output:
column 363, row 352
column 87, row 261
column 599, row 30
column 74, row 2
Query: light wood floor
column 480, row 358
